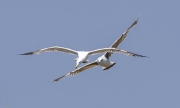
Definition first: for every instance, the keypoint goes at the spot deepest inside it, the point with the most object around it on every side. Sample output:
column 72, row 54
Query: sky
column 29, row 25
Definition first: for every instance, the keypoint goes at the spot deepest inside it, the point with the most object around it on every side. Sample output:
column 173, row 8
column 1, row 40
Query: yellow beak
column 76, row 66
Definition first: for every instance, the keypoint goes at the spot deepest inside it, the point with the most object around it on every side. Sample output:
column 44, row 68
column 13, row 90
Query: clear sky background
column 28, row 25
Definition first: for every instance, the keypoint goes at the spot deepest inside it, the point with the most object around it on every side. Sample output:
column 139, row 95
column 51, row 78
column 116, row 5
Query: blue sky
column 86, row 25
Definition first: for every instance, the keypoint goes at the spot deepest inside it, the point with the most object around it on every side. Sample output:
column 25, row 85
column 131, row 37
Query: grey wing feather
column 81, row 69
column 97, row 51
column 50, row 49
column 131, row 54
column 121, row 38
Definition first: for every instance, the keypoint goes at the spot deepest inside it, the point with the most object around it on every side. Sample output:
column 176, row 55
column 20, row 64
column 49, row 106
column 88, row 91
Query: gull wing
column 50, row 49
column 81, row 69
column 121, row 38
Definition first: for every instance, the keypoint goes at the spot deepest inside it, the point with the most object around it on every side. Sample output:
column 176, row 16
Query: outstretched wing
column 121, row 38
column 50, row 49
column 81, row 69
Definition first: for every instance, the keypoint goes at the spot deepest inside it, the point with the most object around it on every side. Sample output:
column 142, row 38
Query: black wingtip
column 138, row 18
column 142, row 56
column 29, row 53
column 137, row 55
column 57, row 79
column 51, row 81
column 147, row 57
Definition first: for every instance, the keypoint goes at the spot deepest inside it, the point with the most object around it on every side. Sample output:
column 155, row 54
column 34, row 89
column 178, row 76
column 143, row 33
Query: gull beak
column 76, row 66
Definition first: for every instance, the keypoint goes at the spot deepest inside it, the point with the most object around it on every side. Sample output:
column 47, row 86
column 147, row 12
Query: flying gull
column 102, row 61
column 82, row 55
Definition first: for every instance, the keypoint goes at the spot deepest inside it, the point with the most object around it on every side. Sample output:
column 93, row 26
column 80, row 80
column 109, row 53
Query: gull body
column 82, row 58
column 105, row 63
column 102, row 61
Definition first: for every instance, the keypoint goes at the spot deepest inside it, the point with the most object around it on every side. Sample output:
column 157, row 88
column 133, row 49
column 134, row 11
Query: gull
column 101, row 61
column 104, row 61
column 82, row 55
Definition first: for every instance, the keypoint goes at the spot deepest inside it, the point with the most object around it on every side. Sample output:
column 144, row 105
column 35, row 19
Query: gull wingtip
column 50, row 81
column 29, row 53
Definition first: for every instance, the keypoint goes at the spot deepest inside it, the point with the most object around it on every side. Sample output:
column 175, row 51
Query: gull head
column 78, row 62
column 82, row 57
column 99, row 60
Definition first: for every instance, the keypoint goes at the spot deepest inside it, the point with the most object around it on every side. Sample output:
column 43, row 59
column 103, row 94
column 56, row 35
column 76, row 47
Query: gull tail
column 112, row 64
